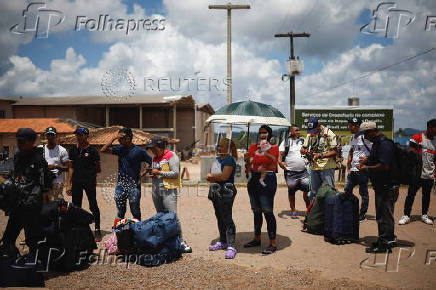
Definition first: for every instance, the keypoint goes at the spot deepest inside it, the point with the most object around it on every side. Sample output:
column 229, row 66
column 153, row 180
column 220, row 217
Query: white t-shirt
column 428, row 157
column 294, row 161
column 359, row 150
column 57, row 156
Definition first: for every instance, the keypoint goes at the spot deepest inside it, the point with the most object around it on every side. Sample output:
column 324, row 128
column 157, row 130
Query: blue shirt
column 228, row 161
column 129, row 162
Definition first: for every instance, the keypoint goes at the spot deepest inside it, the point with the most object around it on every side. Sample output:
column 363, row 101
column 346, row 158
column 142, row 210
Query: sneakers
column 218, row 246
column 97, row 236
column 425, row 219
column 186, row 248
column 377, row 249
column 362, row 217
column 404, row 220
column 231, row 253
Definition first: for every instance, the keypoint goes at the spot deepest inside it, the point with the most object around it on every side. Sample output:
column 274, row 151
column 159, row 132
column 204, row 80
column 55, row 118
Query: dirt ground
column 303, row 260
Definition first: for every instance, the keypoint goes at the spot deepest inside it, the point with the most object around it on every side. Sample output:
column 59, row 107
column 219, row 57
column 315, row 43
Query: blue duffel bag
column 155, row 231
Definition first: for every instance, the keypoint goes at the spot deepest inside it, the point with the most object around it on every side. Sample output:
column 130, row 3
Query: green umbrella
column 249, row 113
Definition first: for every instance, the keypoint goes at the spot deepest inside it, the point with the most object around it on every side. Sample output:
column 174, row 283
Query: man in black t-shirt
column 378, row 166
column 84, row 166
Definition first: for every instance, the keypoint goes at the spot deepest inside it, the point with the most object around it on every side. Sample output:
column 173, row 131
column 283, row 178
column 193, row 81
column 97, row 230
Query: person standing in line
column 262, row 197
column 425, row 144
column 294, row 166
column 128, row 186
column 82, row 175
column 320, row 146
column 165, row 173
column 30, row 169
column 378, row 165
column 360, row 147
column 57, row 159
column 222, row 194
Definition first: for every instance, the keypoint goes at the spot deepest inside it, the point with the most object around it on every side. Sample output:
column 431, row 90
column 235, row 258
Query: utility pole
column 291, row 36
column 229, row 8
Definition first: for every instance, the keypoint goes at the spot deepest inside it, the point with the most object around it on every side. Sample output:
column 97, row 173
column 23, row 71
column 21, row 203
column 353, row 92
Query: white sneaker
column 404, row 220
column 426, row 219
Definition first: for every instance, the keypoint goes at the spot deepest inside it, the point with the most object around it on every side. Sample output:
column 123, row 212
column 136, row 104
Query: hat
column 156, row 141
column 82, row 131
column 355, row 121
column 365, row 126
column 51, row 131
column 312, row 125
column 127, row 132
column 26, row 134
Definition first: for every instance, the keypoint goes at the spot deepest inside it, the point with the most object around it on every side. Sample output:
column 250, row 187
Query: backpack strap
column 364, row 144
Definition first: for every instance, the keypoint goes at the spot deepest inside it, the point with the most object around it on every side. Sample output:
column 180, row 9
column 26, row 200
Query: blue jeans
column 318, row 178
column 262, row 200
column 356, row 178
column 134, row 196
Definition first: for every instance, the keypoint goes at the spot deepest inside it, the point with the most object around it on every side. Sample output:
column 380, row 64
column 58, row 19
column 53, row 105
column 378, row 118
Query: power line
column 373, row 72
column 307, row 15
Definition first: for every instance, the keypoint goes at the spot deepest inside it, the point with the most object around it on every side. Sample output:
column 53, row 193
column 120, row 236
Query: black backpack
column 406, row 165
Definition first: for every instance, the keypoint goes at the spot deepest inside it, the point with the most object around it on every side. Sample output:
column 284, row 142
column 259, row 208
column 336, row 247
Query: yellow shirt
column 322, row 144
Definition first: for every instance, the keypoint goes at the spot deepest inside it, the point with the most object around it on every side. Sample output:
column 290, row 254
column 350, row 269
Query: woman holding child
column 261, row 161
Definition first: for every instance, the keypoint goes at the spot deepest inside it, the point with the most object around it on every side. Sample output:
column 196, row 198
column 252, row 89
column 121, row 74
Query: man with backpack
column 320, row 147
column 294, row 166
column 31, row 179
column 378, row 166
column 425, row 144
column 360, row 147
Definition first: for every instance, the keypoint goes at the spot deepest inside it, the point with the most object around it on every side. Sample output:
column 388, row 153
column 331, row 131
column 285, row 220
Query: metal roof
column 102, row 100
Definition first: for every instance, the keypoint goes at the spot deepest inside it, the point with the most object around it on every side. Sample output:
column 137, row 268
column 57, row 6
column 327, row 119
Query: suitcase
column 341, row 224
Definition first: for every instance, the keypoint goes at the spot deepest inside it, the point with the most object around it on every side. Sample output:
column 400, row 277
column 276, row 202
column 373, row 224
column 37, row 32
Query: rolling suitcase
column 341, row 224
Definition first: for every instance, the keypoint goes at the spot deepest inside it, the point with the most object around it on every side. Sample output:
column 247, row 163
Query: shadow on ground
column 243, row 237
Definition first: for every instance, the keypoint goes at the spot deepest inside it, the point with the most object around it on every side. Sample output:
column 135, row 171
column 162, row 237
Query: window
column 2, row 114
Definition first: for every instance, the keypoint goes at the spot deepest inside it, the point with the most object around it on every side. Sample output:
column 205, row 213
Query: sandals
column 252, row 244
column 269, row 250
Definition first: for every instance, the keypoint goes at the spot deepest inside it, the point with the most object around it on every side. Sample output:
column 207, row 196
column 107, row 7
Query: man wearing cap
column 130, row 158
column 165, row 179
column 57, row 159
column 320, row 147
column 29, row 169
column 378, row 167
column 360, row 147
column 83, row 169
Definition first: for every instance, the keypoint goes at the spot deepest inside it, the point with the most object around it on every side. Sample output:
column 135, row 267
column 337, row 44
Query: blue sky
column 195, row 39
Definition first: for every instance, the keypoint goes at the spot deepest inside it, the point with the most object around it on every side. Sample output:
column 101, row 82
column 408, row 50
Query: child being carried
column 264, row 160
